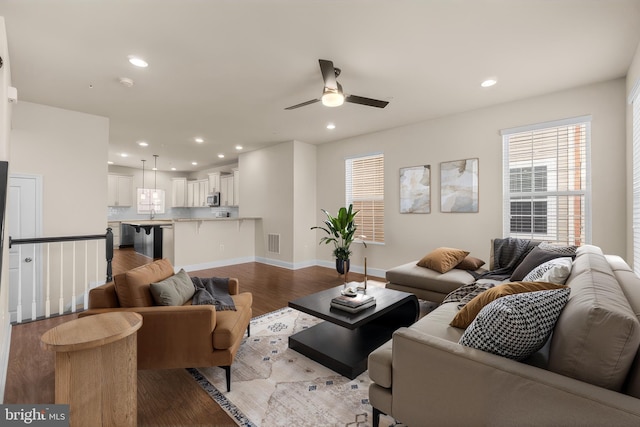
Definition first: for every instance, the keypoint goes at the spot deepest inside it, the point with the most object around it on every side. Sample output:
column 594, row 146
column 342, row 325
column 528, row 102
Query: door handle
column 28, row 259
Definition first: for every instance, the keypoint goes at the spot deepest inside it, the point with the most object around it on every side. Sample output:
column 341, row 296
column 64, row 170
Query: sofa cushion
column 132, row 287
column 470, row 263
column 442, row 259
column 597, row 335
column 533, row 259
column 469, row 312
column 230, row 325
column 555, row 271
column 424, row 278
column 174, row 290
column 516, row 326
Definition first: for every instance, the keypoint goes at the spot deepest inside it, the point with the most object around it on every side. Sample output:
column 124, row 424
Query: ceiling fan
column 332, row 94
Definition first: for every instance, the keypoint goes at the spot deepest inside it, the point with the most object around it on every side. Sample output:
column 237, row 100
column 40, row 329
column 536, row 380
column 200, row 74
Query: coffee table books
column 353, row 304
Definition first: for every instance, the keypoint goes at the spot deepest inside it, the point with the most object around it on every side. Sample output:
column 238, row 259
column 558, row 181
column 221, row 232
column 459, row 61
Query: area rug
column 272, row 385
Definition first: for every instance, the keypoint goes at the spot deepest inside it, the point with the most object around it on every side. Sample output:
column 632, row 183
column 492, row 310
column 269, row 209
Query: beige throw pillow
column 443, row 259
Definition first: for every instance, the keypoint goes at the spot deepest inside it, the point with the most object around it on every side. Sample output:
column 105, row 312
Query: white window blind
column 546, row 181
column 635, row 99
column 364, row 178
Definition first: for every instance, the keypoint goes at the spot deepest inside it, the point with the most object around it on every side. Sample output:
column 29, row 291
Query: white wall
column 69, row 150
column 266, row 191
column 278, row 184
column 476, row 134
column 304, row 204
column 5, row 126
column 633, row 83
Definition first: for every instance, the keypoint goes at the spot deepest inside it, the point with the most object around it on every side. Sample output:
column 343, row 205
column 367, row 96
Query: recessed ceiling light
column 109, row 162
column 488, row 83
column 221, row 156
column 124, row 155
column 199, row 140
column 238, row 147
column 143, row 143
column 138, row 62
column 194, row 163
column 331, row 126
column 173, row 169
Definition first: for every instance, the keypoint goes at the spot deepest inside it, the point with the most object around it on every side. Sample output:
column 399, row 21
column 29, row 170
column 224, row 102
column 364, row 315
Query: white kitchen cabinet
column 197, row 192
column 214, row 182
column 191, row 185
column 119, row 190
column 179, row 192
column 226, row 190
column 236, row 187
column 203, row 187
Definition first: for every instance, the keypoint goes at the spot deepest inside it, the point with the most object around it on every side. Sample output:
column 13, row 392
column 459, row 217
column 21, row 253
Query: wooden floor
column 167, row 397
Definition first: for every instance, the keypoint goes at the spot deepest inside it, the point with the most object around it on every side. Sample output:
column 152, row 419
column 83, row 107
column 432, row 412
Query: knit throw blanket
column 213, row 291
column 507, row 254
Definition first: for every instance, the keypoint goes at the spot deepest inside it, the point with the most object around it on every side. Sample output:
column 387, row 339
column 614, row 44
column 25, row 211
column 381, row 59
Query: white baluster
column 73, row 278
column 86, row 275
column 47, row 305
column 34, row 312
column 61, row 300
column 19, row 306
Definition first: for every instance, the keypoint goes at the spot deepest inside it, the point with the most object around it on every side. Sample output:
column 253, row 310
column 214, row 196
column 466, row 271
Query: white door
column 24, row 260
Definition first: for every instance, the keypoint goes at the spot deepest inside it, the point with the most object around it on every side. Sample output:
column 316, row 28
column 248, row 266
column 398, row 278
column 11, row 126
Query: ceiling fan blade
column 355, row 99
column 328, row 74
column 302, row 104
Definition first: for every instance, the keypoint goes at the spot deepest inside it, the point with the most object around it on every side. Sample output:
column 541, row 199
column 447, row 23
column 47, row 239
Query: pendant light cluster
column 143, row 196
column 155, row 171
column 154, row 194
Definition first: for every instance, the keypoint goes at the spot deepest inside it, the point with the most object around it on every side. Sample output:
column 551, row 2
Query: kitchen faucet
column 152, row 214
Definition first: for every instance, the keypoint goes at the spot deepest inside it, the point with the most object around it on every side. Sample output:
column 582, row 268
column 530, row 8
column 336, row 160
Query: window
column 546, row 181
column 150, row 201
column 364, row 178
column 635, row 100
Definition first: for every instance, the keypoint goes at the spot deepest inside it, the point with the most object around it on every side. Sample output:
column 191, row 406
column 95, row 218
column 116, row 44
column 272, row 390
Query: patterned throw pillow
column 564, row 250
column 555, row 271
column 516, row 326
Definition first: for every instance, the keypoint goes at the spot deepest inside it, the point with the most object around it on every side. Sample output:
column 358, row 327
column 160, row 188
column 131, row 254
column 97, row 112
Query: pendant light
column 155, row 171
column 142, row 195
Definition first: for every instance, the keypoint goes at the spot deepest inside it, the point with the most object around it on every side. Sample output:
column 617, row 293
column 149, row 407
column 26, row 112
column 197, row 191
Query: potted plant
column 340, row 231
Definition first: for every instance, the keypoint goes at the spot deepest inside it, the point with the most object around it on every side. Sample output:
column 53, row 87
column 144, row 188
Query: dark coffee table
column 344, row 341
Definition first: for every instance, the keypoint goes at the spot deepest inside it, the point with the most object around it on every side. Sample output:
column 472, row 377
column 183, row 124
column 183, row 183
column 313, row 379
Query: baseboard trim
column 373, row 272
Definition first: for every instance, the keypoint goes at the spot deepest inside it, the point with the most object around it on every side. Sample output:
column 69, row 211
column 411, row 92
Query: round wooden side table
column 96, row 368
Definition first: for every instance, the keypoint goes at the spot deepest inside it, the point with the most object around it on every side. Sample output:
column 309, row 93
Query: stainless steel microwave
column 213, row 199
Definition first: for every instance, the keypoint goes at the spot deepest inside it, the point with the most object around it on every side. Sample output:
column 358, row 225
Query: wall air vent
column 273, row 243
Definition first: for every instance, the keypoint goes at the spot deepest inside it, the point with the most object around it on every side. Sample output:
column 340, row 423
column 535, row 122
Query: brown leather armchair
column 185, row 336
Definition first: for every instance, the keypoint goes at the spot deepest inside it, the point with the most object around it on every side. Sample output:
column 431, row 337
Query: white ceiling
column 225, row 70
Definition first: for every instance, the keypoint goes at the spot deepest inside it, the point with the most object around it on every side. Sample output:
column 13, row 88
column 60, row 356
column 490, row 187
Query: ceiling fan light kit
column 332, row 95
column 332, row 98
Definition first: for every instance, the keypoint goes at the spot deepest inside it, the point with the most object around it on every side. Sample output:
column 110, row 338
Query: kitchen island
column 148, row 236
column 198, row 243
column 206, row 243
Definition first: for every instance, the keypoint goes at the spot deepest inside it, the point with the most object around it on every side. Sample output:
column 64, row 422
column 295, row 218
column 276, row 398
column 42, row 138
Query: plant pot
column 342, row 265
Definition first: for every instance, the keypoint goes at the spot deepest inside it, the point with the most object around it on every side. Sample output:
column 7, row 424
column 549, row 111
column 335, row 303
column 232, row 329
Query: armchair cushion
column 174, row 290
column 133, row 288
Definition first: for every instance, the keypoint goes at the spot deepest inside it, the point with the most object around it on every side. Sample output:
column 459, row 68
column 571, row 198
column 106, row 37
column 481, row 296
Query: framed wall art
column 459, row 186
column 415, row 189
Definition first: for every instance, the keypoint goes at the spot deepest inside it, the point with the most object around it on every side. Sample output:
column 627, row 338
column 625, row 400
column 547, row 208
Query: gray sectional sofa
column 587, row 374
